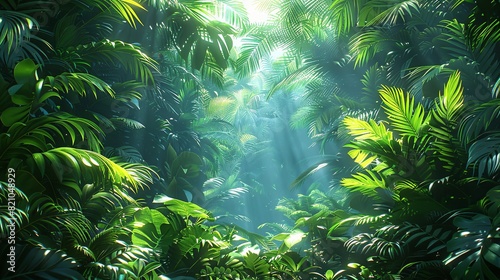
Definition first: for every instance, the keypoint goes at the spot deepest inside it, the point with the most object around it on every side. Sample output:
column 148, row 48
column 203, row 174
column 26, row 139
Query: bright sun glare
column 254, row 14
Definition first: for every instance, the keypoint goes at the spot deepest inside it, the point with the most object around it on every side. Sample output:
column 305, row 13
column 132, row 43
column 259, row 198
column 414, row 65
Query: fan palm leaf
column 346, row 13
column 127, row 55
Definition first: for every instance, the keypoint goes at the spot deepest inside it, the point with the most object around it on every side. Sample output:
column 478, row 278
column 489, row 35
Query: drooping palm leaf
column 126, row 8
column 91, row 167
column 483, row 118
column 135, row 61
column 445, row 117
column 39, row 134
column 346, row 14
column 15, row 27
column 484, row 155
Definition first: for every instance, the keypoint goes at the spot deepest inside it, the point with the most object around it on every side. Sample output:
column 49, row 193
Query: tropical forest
column 258, row 139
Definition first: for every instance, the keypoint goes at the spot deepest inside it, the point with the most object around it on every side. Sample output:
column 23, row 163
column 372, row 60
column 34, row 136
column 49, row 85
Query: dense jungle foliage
column 128, row 129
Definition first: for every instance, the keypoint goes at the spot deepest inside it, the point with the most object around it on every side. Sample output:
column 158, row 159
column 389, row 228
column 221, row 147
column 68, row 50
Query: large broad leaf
column 289, row 239
column 475, row 248
column 152, row 230
column 38, row 263
column 182, row 208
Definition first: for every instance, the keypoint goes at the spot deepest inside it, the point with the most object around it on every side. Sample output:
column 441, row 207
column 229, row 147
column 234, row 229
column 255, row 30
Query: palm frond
column 300, row 77
column 15, row 27
column 140, row 65
column 367, row 182
column 388, row 12
column 406, row 117
column 361, row 220
column 445, row 116
column 91, row 167
column 369, row 245
column 196, row 31
column 484, row 155
column 362, row 130
column 345, row 13
column 81, row 83
column 7, row 214
column 37, row 135
column 126, row 9
column 482, row 35
column 367, row 44
column 18, row 39
column 254, row 48
column 482, row 119
column 232, row 12
column 45, row 215
column 33, row 262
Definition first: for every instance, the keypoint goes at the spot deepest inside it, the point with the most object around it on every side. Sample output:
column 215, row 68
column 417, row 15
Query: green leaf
column 182, row 208
column 25, row 72
column 294, row 238
column 38, row 263
column 14, row 114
